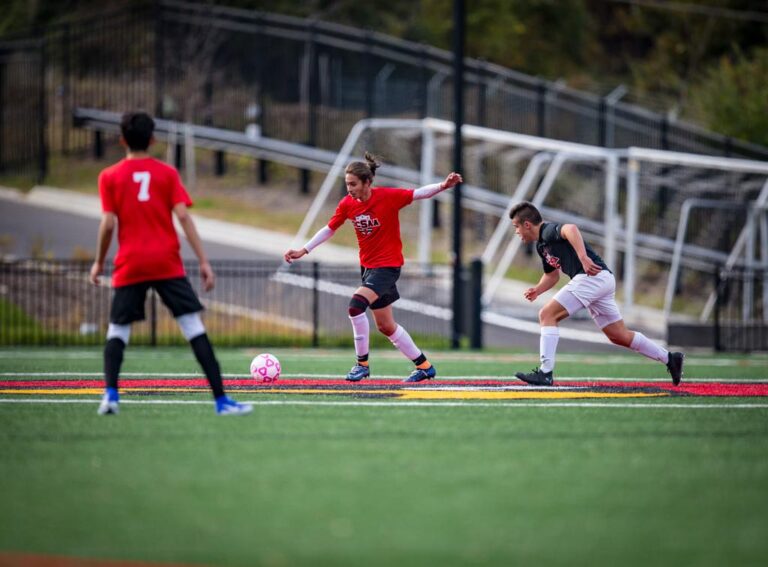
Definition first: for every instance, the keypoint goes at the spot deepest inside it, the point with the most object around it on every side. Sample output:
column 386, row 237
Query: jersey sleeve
column 551, row 233
column 179, row 192
column 339, row 216
column 105, row 193
column 403, row 197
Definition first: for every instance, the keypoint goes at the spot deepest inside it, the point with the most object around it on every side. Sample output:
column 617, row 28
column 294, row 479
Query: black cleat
column 536, row 377
column 675, row 366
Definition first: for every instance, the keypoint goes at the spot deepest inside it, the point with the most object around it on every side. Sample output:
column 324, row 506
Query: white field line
column 401, row 404
column 340, row 376
column 490, row 358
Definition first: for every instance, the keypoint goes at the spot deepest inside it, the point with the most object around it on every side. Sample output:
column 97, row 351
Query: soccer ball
column 265, row 368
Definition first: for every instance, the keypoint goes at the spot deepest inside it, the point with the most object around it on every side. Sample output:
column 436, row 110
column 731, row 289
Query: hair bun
column 372, row 162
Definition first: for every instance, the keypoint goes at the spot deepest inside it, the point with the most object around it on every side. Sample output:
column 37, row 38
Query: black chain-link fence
column 741, row 309
column 288, row 78
column 52, row 302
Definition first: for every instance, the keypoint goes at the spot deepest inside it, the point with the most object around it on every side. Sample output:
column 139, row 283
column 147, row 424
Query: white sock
column 547, row 348
column 404, row 343
column 645, row 346
column 361, row 329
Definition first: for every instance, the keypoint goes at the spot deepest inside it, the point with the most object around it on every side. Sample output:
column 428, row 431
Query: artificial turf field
column 618, row 469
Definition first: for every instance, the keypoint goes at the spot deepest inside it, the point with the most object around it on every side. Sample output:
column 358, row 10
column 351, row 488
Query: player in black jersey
column 592, row 286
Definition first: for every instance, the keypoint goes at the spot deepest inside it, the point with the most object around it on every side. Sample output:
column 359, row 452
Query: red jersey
column 142, row 194
column 377, row 225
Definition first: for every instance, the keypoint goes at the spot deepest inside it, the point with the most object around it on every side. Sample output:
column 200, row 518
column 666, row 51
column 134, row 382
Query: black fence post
column 43, row 155
column 178, row 153
column 718, row 297
column 2, row 113
column 311, row 55
column 315, row 304
column 602, row 123
column 66, row 125
column 262, row 49
column 368, row 74
column 541, row 109
column 482, row 93
column 423, row 82
column 476, row 313
column 98, row 144
column 153, row 319
column 159, row 58
column 220, row 166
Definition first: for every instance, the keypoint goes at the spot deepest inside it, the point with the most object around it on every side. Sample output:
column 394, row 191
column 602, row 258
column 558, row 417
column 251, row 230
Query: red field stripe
column 720, row 389
column 717, row 389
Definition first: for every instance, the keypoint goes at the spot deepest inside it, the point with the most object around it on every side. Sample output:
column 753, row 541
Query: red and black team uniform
column 377, row 226
column 142, row 194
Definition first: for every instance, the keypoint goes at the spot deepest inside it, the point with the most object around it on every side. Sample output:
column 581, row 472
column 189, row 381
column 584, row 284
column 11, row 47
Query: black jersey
column 557, row 253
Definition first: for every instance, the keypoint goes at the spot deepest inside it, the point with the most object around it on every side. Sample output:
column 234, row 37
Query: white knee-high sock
column 404, row 343
column 548, row 347
column 361, row 329
column 645, row 346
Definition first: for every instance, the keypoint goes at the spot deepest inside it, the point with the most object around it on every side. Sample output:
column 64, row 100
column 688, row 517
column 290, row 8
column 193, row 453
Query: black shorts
column 382, row 281
column 176, row 293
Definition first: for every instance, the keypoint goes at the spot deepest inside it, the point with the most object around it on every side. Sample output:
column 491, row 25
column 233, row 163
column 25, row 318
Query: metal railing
column 52, row 302
column 298, row 80
column 741, row 310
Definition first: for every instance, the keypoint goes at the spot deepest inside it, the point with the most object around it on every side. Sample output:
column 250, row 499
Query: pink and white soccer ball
column 265, row 367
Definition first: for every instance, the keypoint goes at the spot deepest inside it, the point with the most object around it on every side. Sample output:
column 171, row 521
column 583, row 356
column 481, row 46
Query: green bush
column 733, row 97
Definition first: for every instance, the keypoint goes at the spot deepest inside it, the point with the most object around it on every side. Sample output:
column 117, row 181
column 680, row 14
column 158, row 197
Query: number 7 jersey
column 142, row 194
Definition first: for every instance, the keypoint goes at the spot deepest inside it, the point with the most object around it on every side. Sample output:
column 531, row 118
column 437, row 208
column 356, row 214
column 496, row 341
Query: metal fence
column 52, row 302
column 741, row 310
column 23, row 109
column 302, row 81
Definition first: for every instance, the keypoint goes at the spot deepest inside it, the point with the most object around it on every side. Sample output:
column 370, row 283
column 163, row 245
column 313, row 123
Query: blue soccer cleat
column 110, row 403
column 420, row 374
column 358, row 372
column 228, row 406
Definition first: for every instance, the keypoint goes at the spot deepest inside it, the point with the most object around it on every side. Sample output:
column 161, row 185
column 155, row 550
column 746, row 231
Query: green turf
column 386, row 485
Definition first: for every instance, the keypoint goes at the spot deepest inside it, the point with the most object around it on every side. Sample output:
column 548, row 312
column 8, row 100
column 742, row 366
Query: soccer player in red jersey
column 374, row 212
column 139, row 196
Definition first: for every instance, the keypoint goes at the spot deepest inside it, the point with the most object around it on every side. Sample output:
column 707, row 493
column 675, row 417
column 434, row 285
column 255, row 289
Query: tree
column 733, row 97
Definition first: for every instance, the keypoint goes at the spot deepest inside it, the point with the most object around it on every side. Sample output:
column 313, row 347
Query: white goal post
column 627, row 202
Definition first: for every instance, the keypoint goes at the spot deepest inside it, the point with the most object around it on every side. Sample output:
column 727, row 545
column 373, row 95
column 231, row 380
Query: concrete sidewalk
column 211, row 230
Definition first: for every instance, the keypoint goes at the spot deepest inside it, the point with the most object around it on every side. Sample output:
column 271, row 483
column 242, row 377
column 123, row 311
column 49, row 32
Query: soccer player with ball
column 592, row 287
column 374, row 212
column 139, row 196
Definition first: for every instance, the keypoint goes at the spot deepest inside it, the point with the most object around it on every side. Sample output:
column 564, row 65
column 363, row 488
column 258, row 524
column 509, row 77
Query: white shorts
column 596, row 293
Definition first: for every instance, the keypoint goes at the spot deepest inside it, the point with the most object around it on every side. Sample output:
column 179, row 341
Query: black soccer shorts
column 176, row 293
column 382, row 281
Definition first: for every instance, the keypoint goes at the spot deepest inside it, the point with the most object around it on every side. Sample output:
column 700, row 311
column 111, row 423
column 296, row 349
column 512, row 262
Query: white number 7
column 142, row 178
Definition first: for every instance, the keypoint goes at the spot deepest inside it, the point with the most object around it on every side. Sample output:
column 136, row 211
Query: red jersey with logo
column 377, row 225
column 142, row 194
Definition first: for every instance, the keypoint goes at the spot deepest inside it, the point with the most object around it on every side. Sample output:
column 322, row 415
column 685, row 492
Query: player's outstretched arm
column 428, row 191
column 320, row 236
column 193, row 237
column 103, row 240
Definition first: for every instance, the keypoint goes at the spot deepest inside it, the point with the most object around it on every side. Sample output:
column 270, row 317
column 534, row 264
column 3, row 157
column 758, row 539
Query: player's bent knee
column 620, row 339
column 122, row 332
column 357, row 305
column 191, row 325
column 386, row 329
